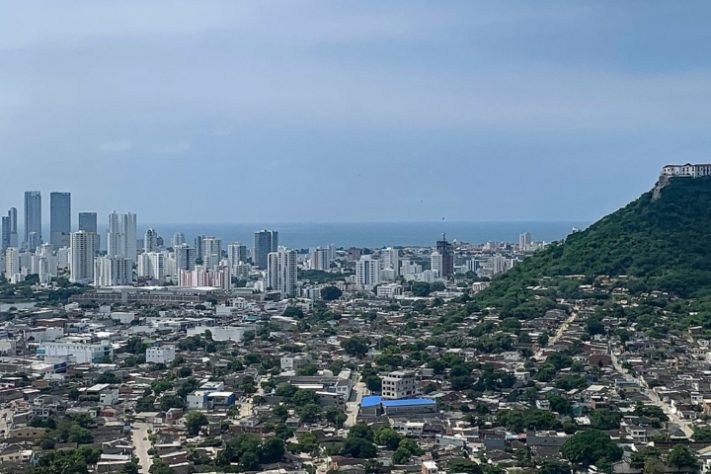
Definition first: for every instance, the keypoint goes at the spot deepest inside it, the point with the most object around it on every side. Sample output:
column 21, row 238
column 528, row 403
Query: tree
column 356, row 346
column 336, row 416
column 388, row 437
column 249, row 461
column 362, row 431
column 330, row 293
column 605, row 419
column 272, row 450
column 464, row 465
column 681, row 456
column 309, row 413
column 591, row 447
column 401, row 456
column 171, row 401
column 421, row 288
column 373, row 383
column 552, row 467
column 160, row 467
column 195, row 420
column 293, row 312
column 359, row 448
column 702, row 434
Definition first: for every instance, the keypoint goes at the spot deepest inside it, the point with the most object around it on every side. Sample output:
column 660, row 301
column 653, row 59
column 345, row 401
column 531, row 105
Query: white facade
column 121, row 239
column 12, row 262
column 391, row 260
column 367, row 272
column 77, row 352
column 112, row 271
column 282, row 271
column 436, row 262
column 687, row 171
column 389, row 291
column 82, row 252
column 221, row 333
column 150, row 241
column 152, row 265
column 160, row 354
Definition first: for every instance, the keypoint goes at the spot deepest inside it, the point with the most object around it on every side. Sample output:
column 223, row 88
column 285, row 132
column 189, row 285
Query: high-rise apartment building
column 265, row 241
column 211, row 251
column 524, row 241
column 446, row 250
column 33, row 219
column 320, row 259
column 121, row 238
column 367, row 272
column 282, row 271
column 9, row 229
column 112, row 271
column 12, row 262
column 236, row 253
column 81, row 264
column 185, row 257
column 60, row 219
column 391, row 260
column 150, row 240
column 88, row 222
column 178, row 239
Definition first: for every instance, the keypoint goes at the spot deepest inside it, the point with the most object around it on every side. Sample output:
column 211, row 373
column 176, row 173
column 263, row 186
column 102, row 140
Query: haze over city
column 223, row 111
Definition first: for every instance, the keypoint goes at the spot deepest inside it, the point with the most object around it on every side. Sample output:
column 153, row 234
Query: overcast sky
column 228, row 111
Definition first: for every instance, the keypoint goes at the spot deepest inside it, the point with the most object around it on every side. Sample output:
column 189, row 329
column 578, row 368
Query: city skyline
column 473, row 106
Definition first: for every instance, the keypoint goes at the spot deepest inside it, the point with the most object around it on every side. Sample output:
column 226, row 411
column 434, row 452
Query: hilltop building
column 687, row 171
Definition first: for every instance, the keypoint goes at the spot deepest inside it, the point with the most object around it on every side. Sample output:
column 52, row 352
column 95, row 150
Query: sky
column 319, row 111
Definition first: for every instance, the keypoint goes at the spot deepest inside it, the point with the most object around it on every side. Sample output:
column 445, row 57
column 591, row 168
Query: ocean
column 372, row 234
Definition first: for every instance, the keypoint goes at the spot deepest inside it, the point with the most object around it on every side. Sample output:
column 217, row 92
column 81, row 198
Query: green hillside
column 665, row 243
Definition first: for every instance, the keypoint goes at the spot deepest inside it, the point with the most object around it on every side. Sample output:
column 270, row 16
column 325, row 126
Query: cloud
column 116, row 146
column 172, row 148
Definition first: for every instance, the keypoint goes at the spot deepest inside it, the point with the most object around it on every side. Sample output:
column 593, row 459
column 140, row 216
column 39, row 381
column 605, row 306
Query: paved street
column 353, row 407
column 141, row 446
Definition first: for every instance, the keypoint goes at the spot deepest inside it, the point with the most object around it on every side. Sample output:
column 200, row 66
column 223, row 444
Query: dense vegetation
column 660, row 244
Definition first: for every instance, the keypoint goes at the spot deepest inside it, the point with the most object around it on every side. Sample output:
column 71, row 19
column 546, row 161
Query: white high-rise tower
column 121, row 239
column 81, row 265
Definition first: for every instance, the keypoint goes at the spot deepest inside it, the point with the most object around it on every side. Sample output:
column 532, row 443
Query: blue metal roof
column 409, row 402
column 370, row 401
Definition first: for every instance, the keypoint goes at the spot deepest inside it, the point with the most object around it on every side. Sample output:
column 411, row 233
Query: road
column 141, row 445
column 6, row 415
column 353, row 407
column 558, row 334
column 685, row 425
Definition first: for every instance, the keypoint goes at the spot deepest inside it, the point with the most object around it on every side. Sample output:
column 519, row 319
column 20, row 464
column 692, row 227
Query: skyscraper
column 391, row 259
column 9, row 229
column 178, row 239
column 121, row 238
column 367, row 272
column 447, row 252
column 184, row 257
column 265, row 241
column 88, row 223
column 320, row 260
column 60, row 219
column 81, row 265
column 33, row 219
column 211, row 251
column 282, row 271
column 150, row 240
column 236, row 253
column 524, row 241
column 112, row 271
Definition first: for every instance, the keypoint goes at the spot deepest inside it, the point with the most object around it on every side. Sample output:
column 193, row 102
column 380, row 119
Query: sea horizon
column 372, row 234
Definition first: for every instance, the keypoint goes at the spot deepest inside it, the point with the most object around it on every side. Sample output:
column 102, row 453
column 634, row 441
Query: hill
column 662, row 240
